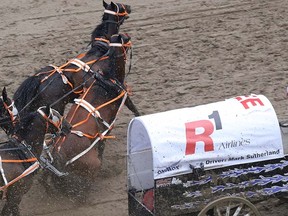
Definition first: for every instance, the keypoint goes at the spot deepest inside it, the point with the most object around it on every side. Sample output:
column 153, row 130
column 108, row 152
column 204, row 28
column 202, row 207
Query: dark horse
column 92, row 118
column 57, row 86
column 19, row 156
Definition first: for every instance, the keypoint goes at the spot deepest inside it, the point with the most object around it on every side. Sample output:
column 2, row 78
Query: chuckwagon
column 214, row 159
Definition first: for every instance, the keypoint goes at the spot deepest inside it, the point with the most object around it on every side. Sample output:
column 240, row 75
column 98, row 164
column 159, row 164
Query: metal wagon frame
column 225, row 189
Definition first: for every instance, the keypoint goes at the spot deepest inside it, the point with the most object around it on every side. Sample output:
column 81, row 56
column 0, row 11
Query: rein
column 71, row 91
column 130, row 62
column 15, row 148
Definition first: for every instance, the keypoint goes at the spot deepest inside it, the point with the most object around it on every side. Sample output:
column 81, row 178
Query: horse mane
column 26, row 91
column 99, row 47
column 100, row 30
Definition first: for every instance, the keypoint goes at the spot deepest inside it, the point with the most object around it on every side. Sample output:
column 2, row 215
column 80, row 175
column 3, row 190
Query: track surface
column 186, row 53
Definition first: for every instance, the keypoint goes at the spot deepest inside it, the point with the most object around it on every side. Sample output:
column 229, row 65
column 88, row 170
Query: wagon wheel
column 230, row 206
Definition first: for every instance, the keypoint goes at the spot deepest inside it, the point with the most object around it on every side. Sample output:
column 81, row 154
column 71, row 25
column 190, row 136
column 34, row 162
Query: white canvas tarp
column 239, row 130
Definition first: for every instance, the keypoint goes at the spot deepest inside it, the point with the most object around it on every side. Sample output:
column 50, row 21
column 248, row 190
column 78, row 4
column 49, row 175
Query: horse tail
column 26, row 91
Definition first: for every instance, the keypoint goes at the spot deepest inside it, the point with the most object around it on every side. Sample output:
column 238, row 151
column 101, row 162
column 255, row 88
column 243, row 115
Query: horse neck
column 96, row 52
column 96, row 55
column 105, row 29
column 33, row 136
column 112, row 29
column 117, row 65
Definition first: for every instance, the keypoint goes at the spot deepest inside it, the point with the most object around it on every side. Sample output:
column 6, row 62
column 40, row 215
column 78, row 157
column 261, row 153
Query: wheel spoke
column 228, row 209
column 239, row 208
column 226, row 206
column 218, row 211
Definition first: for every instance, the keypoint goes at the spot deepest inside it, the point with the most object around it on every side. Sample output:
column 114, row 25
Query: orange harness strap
column 97, row 108
column 81, row 55
column 78, row 133
column 19, row 161
column 62, row 69
column 85, row 93
column 111, row 101
column 28, row 171
column 90, row 113
column 103, row 40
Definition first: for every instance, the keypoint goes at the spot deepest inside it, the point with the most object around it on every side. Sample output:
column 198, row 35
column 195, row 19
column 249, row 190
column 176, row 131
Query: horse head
column 8, row 112
column 113, row 17
column 119, row 12
column 57, row 124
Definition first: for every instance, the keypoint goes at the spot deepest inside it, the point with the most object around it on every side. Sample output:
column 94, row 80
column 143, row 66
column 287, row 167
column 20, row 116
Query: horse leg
column 11, row 206
column 130, row 105
column 10, row 209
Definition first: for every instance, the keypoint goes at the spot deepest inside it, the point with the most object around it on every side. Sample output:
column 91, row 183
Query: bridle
column 120, row 16
column 54, row 120
column 125, row 47
column 11, row 109
column 13, row 115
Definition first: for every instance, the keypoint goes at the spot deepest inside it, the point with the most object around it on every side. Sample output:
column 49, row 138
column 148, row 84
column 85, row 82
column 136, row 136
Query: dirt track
column 186, row 53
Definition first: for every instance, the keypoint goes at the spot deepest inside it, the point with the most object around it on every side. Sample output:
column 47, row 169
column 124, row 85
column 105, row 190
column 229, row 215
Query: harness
column 11, row 109
column 60, row 70
column 85, row 66
column 96, row 114
column 24, row 152
column 27, row 158
column 95, row 111
column 13, row 114
column 120, row 16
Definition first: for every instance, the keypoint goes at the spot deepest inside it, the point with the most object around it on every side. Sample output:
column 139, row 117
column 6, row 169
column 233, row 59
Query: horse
column 19, row 155
column 57, row 86
column 92, row 117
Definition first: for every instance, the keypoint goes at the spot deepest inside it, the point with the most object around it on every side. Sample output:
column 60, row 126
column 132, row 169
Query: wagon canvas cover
column 239, row 130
